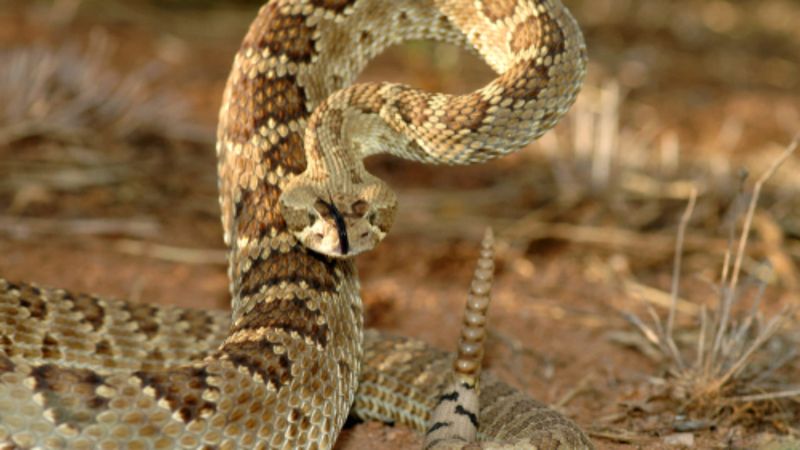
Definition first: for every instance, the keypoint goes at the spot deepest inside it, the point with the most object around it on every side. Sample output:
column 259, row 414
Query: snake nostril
column 322, row 207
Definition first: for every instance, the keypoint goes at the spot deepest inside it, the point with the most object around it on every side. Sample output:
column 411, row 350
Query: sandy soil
column 710, row 79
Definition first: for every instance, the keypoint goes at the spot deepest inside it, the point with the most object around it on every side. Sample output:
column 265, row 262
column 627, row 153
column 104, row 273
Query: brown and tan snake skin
column 82, row 372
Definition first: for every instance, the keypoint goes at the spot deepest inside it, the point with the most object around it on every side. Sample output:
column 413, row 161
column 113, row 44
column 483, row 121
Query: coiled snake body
column 82, row 372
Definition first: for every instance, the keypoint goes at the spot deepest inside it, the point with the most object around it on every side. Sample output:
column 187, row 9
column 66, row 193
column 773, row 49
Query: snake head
column 340, row 222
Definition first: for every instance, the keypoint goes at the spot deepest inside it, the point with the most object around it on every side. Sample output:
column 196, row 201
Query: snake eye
column 360, row 207
column 371, row 217
column 312, row 218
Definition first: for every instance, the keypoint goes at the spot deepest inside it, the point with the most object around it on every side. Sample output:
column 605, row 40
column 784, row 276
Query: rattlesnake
column 81, row 372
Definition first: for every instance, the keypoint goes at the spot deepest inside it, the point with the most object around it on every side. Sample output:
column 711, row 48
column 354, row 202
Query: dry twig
column 172, row 253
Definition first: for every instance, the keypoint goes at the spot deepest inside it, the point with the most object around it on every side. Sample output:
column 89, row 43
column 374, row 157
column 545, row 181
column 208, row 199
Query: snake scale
column 290, row 363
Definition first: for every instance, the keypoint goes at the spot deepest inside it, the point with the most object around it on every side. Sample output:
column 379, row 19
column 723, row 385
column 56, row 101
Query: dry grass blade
column 740, row 251
column 646, row 331
column 662, row 335
column 29, row 228
column 767, row 396
column 658, row 297
column 701, row 340
column 67, row 92
column 676, row 271
column 769, row 331
column 737, row 365
column 790, row 149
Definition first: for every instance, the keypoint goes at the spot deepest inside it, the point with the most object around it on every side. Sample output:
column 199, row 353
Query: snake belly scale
column 292, row 360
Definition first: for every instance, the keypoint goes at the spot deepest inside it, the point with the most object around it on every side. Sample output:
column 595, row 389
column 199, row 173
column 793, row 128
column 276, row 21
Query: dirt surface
column 679, row 94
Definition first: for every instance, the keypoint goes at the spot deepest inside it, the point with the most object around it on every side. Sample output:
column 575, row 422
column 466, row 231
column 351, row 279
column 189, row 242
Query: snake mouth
column 341, row 228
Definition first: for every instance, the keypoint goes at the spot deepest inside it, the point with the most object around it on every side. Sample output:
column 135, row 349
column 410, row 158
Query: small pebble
column 682, row 439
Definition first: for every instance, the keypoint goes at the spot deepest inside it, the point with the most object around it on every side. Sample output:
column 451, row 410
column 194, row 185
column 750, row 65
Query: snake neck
column 260, row 149
column 296, row 315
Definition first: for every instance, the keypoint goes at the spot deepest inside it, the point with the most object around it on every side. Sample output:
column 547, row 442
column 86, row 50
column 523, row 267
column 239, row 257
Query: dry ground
column 120, row 199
